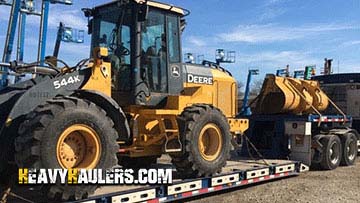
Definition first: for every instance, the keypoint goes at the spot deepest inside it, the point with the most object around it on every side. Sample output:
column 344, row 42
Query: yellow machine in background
column 290, row 95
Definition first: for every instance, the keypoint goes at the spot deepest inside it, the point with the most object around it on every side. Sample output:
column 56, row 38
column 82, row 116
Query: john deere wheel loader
column 132, row 102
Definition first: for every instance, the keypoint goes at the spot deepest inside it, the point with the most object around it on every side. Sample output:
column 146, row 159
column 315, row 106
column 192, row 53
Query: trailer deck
column 237, row 173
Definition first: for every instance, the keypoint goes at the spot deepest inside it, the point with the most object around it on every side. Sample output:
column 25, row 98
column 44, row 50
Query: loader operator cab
column 143, row 42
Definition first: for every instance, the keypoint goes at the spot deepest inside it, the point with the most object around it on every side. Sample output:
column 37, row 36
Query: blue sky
column 266, row 34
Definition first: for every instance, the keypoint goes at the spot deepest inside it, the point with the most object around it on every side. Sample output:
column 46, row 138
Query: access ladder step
column 173, row 150
column 171, row 130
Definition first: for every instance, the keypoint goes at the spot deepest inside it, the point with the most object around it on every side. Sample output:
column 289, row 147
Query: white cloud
column 71, row 48
column 271, row 13
column 272, row 33
column 72, row 18
column 351, row 43
column 272, row 2
column 196, row 41
column 271, row 9
column 269, row 61
column 278, row 58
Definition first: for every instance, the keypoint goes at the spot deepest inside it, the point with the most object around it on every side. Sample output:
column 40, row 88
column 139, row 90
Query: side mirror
column 88, row 13
column 143, row 12
column 90, row 26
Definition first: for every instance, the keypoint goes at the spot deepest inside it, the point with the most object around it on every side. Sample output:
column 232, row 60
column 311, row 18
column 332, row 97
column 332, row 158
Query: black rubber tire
column 330, row 161
column 40, row 133
column 190, row 163
column 349, row 149
column 137, row 162
column 8, row 168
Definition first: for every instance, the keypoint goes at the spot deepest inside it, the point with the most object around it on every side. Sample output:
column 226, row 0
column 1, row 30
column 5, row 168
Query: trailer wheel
column 332, row 151
column 206, row 135
column 349, row 146
column 67, row 132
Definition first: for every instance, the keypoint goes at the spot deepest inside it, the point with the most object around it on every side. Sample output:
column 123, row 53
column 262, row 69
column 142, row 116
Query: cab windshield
column 112, row 29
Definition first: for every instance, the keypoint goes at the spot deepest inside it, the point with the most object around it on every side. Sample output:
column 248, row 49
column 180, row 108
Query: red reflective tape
column 204, row 190
column 286, row 173
column 153, row 201
column 256, row 179
column 267, row 177
column 218, row 187
column 187, row 194
column 122, row 150
column 277, row 175
column 244, row 182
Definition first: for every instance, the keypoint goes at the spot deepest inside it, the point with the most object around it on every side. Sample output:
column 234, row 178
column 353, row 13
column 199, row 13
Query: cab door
column 154, row 52
column 175, row 73
column 160, row 56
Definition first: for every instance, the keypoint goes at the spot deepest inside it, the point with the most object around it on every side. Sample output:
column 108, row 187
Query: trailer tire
column 349, row 149
column 206, row 142
column 332, row 152
column 61, row 124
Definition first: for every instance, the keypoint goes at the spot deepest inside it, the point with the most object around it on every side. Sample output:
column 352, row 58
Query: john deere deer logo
column 175, row 71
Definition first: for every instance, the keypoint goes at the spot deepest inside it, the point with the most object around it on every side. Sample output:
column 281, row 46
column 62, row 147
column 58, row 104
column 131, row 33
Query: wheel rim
column 334, row 153
column 78, row 147
column 210, row 142
column 351, row 149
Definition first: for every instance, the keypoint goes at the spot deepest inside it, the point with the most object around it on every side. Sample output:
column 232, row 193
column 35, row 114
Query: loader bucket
column 306, row 99
column 290, row 95
column 320, row 99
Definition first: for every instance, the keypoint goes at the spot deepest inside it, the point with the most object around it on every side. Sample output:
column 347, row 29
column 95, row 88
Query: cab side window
column 173, row 39
column 154, row 51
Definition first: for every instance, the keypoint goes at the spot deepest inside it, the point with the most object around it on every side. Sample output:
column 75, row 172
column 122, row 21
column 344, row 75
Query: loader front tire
column 8, row 169
column 206, row 137
column 67, row 132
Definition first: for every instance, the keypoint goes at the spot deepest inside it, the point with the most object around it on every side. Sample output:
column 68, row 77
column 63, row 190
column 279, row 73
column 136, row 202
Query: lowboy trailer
column 238, row 173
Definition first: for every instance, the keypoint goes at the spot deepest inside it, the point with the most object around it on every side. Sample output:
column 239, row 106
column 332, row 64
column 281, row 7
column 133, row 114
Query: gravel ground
column 340, row 185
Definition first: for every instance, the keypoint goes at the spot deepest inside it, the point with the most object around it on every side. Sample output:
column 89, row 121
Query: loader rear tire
column 206, row 141
column 55, row 135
